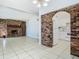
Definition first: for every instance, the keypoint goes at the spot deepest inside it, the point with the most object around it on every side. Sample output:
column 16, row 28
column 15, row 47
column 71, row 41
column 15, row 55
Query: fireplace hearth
column 14, row 33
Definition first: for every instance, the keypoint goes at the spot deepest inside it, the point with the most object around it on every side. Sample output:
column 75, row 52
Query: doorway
column 61, row 26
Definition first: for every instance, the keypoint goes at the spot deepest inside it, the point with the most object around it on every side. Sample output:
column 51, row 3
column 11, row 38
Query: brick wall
column 47, row 24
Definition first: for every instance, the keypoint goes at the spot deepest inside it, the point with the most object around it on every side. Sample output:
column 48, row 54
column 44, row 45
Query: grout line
column 62, row 52
column 2, row 49
column 3, row 52
column 28, row 54
column 15, row 53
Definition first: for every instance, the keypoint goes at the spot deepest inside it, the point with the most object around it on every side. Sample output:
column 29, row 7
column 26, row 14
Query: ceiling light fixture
column 47, row 0
column 40, row 3
column 45, row 4
column 35, row 1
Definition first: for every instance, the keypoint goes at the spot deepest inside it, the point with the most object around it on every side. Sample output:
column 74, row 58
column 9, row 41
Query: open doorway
column 61, row 26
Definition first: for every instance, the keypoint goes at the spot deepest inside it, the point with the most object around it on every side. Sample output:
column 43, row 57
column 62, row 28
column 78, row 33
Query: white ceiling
column 24, row 5
column 56, row 5
column 28, row 6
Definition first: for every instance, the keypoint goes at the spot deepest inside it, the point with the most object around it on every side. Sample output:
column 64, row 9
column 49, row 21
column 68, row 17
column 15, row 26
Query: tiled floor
column 74, row 57
column 26, row 48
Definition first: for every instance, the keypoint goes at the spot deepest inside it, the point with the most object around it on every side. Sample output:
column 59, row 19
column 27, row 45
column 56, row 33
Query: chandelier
column 40, row 3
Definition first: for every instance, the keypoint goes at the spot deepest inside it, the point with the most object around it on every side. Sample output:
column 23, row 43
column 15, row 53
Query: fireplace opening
column 14, row 33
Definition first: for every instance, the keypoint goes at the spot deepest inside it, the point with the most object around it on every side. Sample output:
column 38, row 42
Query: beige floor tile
column 75, row 57
column 50, row 56
column 12, row 57
column 24, row 56
column 1, row 56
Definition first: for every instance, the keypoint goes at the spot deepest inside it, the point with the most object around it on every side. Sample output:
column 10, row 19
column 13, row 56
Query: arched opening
column 61, row 26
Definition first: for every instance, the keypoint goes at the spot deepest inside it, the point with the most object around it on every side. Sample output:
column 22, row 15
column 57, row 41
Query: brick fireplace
column 12, row 28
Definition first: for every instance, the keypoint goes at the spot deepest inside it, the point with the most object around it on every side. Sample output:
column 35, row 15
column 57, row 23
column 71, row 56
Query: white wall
column 61, row 19
column 39, row 29
column 33, row 28
column 57, row 4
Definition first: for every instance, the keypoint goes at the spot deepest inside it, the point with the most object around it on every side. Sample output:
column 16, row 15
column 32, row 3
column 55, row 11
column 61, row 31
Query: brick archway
column 46, row 27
